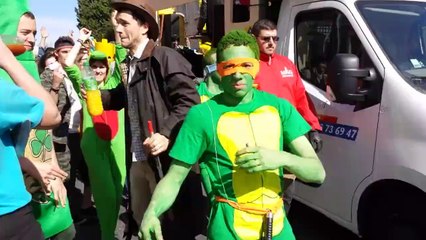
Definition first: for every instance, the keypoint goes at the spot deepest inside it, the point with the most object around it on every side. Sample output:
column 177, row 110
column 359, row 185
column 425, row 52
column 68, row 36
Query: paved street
column 307, row 225
column 310, row 225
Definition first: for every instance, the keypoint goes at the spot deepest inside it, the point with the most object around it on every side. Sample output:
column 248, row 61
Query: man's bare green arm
column 162, row 199
column 302, row 161
column 168, row 188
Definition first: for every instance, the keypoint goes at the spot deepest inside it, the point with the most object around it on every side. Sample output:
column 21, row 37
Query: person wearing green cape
column 238, row 138
column 49, row 201
column 103, row 137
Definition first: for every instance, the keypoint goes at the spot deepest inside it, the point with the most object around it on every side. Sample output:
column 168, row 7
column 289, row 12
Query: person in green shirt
column 211, row 84
column 238, row 138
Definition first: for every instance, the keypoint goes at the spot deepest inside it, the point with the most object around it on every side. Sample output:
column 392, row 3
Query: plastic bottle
column 94, row 100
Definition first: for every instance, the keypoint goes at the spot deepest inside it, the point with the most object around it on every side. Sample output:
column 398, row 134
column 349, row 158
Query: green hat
column 98, row 56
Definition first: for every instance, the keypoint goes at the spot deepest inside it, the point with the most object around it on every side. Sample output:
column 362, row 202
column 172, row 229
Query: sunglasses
column 267, row 39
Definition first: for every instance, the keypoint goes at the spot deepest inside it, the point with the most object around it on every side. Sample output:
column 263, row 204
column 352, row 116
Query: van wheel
column 397, row 216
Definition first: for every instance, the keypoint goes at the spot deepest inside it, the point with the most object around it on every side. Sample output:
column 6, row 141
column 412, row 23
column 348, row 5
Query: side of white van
column 364, row 66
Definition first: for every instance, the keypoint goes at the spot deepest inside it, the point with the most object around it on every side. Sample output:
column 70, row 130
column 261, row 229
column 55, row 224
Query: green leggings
column 107, row 171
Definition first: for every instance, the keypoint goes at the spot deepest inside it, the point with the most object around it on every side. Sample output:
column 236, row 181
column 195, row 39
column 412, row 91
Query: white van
column 364, row 66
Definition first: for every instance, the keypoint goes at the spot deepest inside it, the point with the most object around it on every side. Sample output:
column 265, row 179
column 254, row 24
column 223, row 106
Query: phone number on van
column 339, row 130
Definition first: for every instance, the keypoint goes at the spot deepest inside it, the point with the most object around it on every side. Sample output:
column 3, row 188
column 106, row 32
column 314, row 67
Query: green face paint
column 237, row 85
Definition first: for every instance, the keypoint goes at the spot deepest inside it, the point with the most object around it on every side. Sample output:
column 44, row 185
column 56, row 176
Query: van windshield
column 400, row 28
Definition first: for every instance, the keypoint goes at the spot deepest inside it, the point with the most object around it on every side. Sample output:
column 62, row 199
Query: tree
column 95, row 15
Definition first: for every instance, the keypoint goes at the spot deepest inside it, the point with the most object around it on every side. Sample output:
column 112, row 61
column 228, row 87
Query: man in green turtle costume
column 103, row 136
column 39, row 162
column 238, row 138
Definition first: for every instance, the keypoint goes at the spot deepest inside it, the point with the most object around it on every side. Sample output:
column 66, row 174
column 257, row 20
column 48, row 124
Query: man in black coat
column 158, row 87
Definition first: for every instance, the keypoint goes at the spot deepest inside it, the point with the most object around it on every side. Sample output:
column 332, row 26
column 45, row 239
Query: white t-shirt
column 75, row 114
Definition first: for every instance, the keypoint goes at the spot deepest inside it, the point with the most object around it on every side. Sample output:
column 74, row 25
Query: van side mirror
column 345, row 78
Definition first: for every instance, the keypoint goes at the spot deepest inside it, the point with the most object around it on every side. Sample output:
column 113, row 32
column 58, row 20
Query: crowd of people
column 184, row 158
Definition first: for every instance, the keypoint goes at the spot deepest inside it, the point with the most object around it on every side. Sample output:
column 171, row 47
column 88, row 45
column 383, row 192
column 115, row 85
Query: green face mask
column 237, row 85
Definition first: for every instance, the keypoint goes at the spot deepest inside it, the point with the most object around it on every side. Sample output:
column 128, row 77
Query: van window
column 320, row 35
column 406, row 46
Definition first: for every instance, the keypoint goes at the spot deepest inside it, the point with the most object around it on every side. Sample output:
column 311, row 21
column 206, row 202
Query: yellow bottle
column 94, row 102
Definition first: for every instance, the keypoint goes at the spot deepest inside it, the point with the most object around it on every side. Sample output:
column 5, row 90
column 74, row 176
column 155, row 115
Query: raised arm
column 23, row 79
column 114, row 25
column 164, row 195
column 84, row 35
column 44, row 34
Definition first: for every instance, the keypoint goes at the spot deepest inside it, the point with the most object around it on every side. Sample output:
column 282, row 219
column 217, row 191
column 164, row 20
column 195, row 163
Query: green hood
column 11, row 12
column 101, row 56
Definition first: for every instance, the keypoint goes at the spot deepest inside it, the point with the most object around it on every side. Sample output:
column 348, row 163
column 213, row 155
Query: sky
column 57, row 16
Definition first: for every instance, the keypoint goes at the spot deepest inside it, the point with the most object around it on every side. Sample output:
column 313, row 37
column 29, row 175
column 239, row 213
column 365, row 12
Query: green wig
column 237, row 38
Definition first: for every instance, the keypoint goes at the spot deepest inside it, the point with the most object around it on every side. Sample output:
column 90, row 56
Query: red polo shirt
column 281, row 78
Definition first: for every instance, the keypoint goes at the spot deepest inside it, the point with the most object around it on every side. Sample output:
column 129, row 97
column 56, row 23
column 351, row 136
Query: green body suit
column 52, row 219
column 104, row 150
column 212, row 134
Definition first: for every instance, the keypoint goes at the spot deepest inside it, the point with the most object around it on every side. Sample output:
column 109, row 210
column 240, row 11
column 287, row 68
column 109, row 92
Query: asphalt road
column 307, row 225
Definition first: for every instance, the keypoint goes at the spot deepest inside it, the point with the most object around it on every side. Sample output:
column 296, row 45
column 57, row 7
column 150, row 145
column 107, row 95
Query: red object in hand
column 150, row 127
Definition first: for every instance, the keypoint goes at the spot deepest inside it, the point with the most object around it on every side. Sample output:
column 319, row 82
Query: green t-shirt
column 212, row 133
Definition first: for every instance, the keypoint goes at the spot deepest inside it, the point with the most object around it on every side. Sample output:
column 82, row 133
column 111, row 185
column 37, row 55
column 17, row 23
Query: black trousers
column 20, row 225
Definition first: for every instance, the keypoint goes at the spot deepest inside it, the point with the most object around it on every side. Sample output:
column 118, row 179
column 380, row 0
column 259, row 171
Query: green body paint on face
column 238, row 87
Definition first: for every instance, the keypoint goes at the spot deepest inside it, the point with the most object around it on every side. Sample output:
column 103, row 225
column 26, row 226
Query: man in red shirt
column 279, row 76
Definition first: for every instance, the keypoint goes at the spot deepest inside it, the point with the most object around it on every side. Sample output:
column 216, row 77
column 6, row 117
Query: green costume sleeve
column 74, row 75
column 120, row 53
column 291, row 117
column 191, row 142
